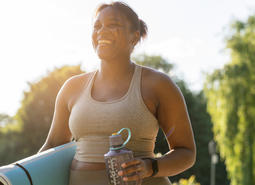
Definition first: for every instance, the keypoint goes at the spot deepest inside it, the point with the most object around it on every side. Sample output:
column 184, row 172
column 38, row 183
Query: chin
column 103, row 56
column 106, row 55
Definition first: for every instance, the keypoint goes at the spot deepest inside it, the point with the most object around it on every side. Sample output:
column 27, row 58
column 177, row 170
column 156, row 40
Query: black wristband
column 154, row 164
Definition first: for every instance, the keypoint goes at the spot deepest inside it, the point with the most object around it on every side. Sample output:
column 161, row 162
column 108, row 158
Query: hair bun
column 143, row 29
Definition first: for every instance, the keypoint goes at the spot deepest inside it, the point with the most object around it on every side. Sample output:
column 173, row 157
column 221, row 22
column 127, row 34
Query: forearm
column 44, row 147
column 175, row 162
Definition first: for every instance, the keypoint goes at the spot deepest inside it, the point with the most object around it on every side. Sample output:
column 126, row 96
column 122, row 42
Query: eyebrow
column 111, row 19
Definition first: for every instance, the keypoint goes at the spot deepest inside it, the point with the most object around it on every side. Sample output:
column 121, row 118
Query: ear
column 136, row 37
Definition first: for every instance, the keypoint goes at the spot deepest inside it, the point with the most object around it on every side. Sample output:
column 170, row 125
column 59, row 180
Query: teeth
column 104, row 42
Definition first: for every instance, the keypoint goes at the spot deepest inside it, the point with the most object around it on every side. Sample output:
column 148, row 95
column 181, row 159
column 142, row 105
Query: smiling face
column 112, row 36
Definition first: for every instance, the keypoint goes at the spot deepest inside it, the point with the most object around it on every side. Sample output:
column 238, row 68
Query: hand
column 135, row 170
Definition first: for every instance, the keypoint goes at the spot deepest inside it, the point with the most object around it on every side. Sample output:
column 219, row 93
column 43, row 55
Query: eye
column 114, row 25
column 97, row 26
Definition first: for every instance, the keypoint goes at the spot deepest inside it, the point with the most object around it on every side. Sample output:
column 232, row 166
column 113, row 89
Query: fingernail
column 120, row 173
column 125, row 178
column 123, row 165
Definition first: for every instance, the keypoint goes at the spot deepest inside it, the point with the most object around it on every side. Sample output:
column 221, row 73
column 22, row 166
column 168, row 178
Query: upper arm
column 173, row 115
column 59, row 131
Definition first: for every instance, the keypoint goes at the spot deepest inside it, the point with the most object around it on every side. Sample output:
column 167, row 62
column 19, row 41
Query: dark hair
column 123, row 8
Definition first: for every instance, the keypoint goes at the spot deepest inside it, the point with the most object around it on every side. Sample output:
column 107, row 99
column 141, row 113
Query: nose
column 102, row 29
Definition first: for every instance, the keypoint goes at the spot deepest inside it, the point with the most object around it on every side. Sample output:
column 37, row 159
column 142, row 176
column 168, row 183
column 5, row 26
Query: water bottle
column 116, row 156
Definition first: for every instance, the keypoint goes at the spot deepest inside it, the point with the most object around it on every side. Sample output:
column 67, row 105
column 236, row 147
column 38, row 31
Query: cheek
column 122, row 37
column 94, row 39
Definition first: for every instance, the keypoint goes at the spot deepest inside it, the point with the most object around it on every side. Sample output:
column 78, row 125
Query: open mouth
column 104, row 42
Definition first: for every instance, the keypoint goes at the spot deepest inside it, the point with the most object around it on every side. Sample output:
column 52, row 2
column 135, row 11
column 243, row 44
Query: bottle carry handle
column 127, row 140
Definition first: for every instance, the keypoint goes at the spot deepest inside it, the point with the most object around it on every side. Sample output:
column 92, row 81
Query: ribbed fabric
column 92, row 122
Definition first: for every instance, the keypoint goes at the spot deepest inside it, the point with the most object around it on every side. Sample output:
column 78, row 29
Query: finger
column 130, row 170
column 139, row 181
column 135, row 177
column 130, row 163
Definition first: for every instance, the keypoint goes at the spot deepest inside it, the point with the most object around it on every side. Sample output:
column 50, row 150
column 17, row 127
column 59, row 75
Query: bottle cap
column 116, row 140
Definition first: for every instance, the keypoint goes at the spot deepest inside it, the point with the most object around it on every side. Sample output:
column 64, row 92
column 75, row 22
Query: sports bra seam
column 141, row 100
column 83, row 89
column 119, row 100
column 88, row 84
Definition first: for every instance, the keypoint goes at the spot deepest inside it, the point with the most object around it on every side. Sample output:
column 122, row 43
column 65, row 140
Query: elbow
column 45, row 146
column 192, row 157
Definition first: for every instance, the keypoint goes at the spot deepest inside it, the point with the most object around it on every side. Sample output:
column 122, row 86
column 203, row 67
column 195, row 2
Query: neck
column 115, row 69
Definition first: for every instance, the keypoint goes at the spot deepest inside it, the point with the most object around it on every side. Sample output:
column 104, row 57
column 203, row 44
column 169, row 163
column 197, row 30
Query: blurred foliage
column 9, row 138
column 34, row 116
column 4, row 119
column 202, row 128
column 153, row 61
column 190, row 181
column 231, row 103
column 8, row 124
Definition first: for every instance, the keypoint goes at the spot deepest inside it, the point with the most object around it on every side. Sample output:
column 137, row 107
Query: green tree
column 231, row 103
column 34, row 116
column 9, row 130
column 154, row 61
column 37, row 107
column 201, row 123
column 4, row 120
column 7, row 123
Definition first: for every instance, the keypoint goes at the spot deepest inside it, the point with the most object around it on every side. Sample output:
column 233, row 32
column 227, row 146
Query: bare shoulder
column 171, row 109
column 161, row 83
column 72, row 88
column 77, row 81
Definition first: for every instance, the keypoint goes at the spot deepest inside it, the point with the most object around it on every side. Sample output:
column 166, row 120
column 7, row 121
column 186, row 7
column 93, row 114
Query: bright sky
column 36, row 36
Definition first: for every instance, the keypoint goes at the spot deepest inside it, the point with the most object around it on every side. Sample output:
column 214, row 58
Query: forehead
column 110, row 13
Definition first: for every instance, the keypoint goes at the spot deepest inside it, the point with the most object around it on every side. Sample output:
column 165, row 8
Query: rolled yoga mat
column 50, row 167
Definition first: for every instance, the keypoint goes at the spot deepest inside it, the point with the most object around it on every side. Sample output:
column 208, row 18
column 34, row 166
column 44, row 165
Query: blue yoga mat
column 50, row 167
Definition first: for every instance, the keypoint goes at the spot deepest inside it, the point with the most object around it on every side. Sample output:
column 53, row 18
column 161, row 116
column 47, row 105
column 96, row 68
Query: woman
column 90, row 107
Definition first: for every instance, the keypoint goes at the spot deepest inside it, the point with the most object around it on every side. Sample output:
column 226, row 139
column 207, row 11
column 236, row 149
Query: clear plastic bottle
column 116, row 156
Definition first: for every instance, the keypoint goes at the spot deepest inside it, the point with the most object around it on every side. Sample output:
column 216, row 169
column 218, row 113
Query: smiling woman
column 121, row 94
column 111, row 34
